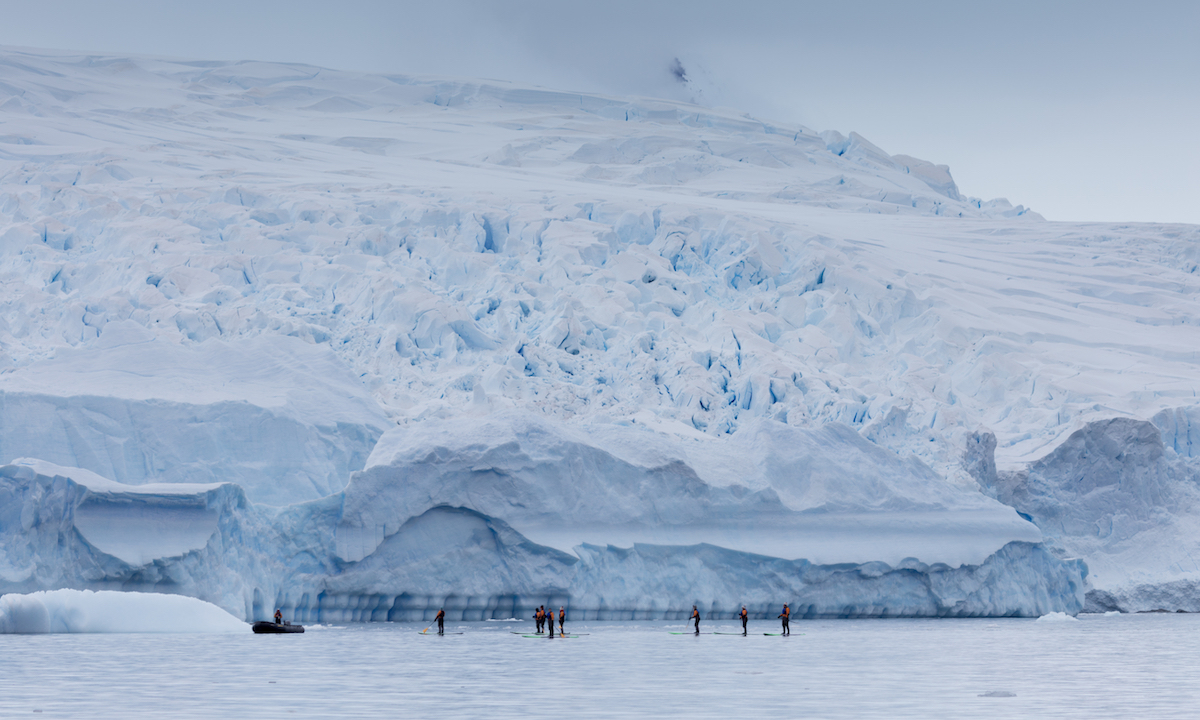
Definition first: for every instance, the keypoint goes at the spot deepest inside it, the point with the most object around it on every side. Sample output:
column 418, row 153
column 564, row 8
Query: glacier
column 361, row 346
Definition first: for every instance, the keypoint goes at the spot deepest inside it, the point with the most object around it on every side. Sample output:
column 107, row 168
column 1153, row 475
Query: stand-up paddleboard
column 422, row 632
column 689, row 632
column 551, row 636
column 721, row 633
column 782, row 635
column 269, row 628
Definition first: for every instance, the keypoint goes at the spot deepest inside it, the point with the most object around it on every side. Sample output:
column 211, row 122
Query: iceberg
column 84, row 611
column 826, row 495
column 1057, row 617
column 338, row 559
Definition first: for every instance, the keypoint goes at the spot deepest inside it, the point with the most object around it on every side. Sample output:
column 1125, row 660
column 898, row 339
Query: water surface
column 1144, row 666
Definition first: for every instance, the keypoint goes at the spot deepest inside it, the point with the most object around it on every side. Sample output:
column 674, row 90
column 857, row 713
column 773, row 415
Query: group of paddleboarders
column 745, row 617
column 543, row 617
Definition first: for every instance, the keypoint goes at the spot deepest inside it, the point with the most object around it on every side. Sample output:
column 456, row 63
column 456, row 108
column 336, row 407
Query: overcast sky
column 1080, row 110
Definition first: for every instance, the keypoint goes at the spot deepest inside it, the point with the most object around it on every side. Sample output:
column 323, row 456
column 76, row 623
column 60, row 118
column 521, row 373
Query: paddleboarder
column 744, row 618
column 441, row 619
column 562, row 619
column 696, row 618
column 785, row 616
column 550, row 621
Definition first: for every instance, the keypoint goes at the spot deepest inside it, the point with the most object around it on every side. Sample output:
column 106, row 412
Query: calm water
column 1140, row 666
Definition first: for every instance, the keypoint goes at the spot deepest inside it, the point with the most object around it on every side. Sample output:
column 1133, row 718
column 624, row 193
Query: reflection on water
column 1101, row 667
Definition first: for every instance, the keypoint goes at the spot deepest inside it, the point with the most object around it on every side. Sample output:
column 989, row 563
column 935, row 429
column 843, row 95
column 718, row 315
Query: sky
column 1079, row 110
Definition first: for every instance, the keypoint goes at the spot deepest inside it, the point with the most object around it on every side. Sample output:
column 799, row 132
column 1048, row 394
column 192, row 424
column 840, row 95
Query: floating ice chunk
column 1057, row 617
column 106, row 611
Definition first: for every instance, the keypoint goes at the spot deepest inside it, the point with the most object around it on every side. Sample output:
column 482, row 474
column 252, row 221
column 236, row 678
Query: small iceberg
column 1057, row 617
column 108, row 611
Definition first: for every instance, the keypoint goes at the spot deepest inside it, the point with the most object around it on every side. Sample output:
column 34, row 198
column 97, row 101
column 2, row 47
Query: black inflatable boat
column 269, row 628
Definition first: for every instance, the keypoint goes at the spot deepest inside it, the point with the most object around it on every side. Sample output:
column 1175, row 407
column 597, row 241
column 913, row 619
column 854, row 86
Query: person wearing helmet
column 785, row 616
column 744, row 618
column 441, row 619
column 696, row 618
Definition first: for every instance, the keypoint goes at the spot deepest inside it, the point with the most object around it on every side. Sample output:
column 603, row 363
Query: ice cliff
column 1116, row 494
column 65, row 527
column 360, row 345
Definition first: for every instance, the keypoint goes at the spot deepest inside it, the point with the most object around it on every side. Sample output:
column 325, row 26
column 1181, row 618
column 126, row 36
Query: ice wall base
column 645, row 583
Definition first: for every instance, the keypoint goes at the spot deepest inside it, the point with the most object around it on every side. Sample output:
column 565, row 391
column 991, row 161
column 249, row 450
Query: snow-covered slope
column 249, row 272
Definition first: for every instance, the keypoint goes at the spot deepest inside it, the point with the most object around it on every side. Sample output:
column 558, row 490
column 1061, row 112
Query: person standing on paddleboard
column 562, row 620
column 537, row 619
column 441, row 618
column 785, row 616
column 744, row 618
column 696, row 618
